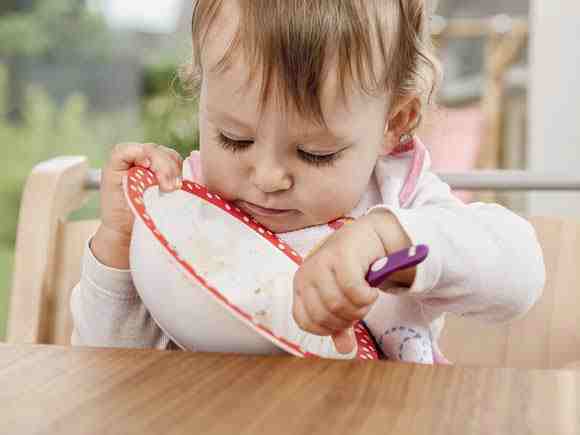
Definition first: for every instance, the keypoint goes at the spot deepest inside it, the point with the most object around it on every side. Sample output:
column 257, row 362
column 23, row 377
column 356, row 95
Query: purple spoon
column 381, row 269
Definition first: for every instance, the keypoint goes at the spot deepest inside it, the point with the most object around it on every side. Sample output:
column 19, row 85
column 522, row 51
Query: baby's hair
column 291, row 44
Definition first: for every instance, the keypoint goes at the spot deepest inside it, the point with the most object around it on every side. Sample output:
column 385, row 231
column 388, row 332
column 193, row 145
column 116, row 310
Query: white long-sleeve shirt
column 484, row 262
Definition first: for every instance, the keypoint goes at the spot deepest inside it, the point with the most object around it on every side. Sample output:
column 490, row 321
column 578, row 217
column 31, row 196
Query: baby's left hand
column 330, row 290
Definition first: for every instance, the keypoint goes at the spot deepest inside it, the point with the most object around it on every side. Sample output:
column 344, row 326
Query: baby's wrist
column 111, row 248
column 389, row 230
column 393, row 238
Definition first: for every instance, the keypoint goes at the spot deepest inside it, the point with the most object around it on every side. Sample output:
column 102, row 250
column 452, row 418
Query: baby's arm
column 484, row 261
column 107, row 311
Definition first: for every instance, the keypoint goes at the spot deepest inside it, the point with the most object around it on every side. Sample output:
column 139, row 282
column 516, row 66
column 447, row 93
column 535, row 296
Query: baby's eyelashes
column 233, row 145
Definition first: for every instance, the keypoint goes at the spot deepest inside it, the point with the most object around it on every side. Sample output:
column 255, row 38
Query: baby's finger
column 126, row 155
column 344, row 341
column 174, row 155
column 353, row 285
column 165, row 166
column 303, row 320
column 336, row 302
column 319, row 314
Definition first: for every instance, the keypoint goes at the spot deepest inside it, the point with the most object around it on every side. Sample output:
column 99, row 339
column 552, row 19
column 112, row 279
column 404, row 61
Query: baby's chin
column 289, row 224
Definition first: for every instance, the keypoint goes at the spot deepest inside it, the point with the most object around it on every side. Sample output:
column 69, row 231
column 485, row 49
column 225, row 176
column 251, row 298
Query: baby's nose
column 270, row 177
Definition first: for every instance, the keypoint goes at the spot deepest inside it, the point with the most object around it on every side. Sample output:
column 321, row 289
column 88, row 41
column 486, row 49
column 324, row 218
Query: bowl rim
column 139, row 179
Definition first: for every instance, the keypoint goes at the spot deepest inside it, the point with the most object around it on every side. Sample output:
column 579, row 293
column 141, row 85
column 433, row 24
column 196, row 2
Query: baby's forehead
column 221, row 33
column 233, row 93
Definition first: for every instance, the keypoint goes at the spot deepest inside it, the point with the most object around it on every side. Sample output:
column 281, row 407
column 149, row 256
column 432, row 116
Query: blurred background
column 78, row 76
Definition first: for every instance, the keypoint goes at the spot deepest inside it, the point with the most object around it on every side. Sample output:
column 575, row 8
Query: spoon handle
column 381, row 269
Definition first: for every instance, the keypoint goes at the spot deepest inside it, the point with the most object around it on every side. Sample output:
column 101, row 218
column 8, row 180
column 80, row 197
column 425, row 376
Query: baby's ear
column 403, row 120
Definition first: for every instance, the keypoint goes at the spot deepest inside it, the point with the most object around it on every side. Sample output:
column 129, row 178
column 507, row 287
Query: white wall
column 554, row 110
column 150, row 17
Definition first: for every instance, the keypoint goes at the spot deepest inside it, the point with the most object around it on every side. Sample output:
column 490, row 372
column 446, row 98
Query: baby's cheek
column 348, row 183
column 219, row 175
column 338, row 200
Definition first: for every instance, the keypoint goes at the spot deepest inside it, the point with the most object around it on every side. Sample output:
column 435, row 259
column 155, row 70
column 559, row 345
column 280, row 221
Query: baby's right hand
column 116, row 217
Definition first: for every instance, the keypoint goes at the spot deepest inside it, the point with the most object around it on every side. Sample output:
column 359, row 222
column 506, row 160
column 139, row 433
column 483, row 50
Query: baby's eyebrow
column 324, row 134
column 305, row 135
column 229, row 117
column 340, row 136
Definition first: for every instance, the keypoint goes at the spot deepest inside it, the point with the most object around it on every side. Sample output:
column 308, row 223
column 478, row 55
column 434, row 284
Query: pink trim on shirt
column 195, row 166
column 403, row 148
column 419, row 154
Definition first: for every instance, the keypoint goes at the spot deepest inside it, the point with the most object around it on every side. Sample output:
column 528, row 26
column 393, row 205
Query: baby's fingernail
column 147, row 163
column 167, row 184
column 344, row 343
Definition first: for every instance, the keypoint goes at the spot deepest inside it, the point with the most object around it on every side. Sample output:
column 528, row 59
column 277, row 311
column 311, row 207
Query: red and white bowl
column 214, row 279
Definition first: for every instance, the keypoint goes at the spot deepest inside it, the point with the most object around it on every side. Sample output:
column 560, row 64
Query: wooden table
column 46, row 389
column 573, row 366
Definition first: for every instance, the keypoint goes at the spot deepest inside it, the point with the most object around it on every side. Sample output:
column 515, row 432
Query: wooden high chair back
column 49, row 250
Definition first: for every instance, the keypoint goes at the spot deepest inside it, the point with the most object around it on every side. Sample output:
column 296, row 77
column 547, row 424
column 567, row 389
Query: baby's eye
column 234, row 145
column 319, row 159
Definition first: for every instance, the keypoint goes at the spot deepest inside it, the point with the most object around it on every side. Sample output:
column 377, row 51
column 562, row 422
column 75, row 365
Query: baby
column 307, row 118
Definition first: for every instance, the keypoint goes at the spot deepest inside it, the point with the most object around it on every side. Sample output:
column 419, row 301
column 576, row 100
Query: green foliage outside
column 52, row 27
column 48, row 130
column 170, row 119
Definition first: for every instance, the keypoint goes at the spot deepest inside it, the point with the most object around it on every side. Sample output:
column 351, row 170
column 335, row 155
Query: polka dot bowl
column 215, row 280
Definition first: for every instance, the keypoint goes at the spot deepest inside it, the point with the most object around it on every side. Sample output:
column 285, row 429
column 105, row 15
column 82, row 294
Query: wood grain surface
column 49, row 389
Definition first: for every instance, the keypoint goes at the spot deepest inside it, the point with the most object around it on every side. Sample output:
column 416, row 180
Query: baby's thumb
column 344, row 341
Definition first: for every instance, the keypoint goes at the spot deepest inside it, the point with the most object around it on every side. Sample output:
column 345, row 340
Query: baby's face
column 285, row 171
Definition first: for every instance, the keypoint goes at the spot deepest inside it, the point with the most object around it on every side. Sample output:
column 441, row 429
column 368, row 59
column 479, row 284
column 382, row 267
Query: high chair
column 50, row 246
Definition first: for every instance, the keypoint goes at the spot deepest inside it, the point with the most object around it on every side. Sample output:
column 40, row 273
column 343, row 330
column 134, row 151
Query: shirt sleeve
column 484, row 260
column 108, row 312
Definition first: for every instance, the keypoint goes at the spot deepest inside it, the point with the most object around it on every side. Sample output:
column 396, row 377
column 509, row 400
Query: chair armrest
column 497, row 180
column 511, row 180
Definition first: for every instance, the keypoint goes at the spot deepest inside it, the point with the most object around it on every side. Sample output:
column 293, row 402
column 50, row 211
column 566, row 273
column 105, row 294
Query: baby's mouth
column 259, row 211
